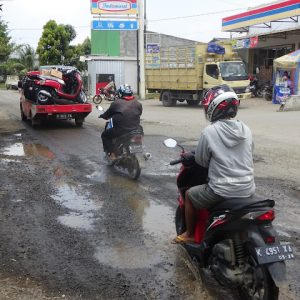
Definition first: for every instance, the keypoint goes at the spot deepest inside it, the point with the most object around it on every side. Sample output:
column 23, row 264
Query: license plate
column 135, row 148
column 274, row 253
column 63, row 116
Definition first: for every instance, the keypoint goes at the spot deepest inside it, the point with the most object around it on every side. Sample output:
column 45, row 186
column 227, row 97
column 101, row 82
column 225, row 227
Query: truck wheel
column 35, row 122
column 23, row 116
column 78, row 122
column 167, row 100
column 193, row 102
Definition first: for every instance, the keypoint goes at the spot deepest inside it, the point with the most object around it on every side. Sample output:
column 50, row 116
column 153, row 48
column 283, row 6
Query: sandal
column 181, row 239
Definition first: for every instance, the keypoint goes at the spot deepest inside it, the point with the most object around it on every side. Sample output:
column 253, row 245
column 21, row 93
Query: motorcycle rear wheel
column 262, row 286
column 133, row 167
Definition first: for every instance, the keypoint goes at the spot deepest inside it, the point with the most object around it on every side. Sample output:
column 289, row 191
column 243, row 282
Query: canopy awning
column 290, row 60
column 263, row 15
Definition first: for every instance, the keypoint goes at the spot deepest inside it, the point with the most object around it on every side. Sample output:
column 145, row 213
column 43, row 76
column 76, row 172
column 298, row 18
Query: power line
column 198, row 15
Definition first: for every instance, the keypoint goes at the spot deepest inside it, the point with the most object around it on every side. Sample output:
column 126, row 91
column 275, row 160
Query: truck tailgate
column 69, row 108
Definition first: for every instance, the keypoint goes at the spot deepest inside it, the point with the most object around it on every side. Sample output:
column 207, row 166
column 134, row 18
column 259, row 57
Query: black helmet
column 220, row 102
column 125, row 90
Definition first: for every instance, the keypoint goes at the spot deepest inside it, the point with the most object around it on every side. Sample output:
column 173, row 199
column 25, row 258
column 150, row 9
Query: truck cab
column 232, row 73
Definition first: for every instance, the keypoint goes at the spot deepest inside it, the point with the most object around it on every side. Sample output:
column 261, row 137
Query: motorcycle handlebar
column 176, row 161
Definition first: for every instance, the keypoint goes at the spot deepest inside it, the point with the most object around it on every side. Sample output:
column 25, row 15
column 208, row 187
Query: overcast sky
column 198, row 20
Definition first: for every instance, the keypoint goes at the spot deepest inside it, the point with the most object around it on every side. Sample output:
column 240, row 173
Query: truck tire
column 166, row 99
column 193, row 102
column 78, row 122
column 23, row 116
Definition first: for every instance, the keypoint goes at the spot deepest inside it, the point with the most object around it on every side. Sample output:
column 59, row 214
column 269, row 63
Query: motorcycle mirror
column 170, row 143
column 99, row 107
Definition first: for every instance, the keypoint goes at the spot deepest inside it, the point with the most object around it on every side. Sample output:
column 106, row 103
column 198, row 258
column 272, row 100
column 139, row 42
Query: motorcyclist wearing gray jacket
column 225, row 148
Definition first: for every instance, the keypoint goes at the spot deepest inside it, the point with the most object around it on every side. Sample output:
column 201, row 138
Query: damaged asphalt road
column 71, row 228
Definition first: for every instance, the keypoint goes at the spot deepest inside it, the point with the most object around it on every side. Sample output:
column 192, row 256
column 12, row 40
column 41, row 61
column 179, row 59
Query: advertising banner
column 114, row 7
column 115, row 25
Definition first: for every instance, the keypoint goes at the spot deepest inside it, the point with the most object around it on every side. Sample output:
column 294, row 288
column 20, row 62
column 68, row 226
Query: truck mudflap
column 244, row 96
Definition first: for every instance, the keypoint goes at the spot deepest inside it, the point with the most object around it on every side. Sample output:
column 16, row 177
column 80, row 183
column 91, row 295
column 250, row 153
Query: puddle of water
column 7, row 160
column 14, row 150
column 68, row 196
column 159, row 220
column 99, row 176
column 127, row 257
column 38, row 149
column 77, row 220
column 20, row 149
column 17, row 200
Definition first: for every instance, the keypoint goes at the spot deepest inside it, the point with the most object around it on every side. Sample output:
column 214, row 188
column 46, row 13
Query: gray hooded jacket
column 225, row 148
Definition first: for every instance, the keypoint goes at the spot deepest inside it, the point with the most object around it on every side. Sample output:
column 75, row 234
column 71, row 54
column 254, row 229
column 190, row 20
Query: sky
column 198, row 20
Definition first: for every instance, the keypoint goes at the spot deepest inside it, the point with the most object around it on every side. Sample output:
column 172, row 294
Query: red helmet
column 220, row 102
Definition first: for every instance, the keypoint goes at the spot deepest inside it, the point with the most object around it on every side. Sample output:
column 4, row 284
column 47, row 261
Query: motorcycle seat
column 43, row 77
column 234, row 204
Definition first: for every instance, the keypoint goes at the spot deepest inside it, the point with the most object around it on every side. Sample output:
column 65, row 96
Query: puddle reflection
column 77, row 220
column 20, row 149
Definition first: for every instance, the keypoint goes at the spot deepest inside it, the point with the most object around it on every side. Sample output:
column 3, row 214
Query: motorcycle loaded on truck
column 55, row 93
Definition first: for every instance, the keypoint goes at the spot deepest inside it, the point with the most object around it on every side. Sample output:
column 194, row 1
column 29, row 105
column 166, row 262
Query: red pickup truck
column 38, row 102
column 37, row 113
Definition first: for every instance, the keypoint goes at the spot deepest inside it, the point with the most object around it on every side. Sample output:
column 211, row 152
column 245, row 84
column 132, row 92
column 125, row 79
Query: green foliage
column 6, row 47
column 54, row 43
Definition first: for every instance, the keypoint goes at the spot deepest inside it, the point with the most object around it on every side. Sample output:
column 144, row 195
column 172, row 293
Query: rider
column 110, row 87
column 125, row 116
column 225, row 148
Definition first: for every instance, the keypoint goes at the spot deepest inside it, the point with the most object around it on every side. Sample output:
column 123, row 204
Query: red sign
column 253, row 41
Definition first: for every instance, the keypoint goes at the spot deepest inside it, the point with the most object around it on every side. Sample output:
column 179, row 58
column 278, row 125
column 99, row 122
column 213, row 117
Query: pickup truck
column 37, row 113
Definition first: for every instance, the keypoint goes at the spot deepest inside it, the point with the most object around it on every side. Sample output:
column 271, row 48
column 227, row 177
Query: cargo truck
column 185, row 73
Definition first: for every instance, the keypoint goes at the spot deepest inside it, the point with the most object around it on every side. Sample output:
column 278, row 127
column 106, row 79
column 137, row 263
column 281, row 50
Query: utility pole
column 141, row 50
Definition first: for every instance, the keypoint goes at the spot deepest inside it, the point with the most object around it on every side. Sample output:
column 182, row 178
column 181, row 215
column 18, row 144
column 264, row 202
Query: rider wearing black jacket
column 125, row 115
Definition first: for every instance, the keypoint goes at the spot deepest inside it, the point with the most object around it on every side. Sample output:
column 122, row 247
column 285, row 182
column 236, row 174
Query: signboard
column 152, row 48
column 114, row 7
column 114, row 25
column 245, row 43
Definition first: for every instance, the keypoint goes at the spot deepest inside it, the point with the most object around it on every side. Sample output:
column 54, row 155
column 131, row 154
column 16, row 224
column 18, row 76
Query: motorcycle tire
column 262, row 286
column 133, row 167
column 180, row 220
column 82, row 98
column 97, row 99
column 41, row 98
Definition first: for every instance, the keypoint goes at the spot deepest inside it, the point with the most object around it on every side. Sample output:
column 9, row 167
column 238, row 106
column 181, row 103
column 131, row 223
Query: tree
column 54, row 43
column 5, row 46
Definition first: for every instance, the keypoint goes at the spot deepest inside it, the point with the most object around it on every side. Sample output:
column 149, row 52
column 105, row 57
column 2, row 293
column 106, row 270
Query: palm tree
column 26, row 56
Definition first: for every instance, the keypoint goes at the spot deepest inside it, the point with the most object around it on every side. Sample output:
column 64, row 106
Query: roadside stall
column 286, row 77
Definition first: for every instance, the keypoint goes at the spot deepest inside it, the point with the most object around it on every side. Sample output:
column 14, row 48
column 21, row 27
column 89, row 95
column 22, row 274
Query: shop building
column 264, row 33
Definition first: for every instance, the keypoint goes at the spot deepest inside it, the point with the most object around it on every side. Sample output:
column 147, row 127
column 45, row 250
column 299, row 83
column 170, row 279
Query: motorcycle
column 255, row 88
column 235, row 240
column 104, row 95
column 49, row 89
column 268, row 92
column 126, row 148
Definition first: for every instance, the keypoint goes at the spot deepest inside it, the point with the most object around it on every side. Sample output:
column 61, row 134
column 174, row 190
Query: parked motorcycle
column 235, row 240
column 126, row 148
column 255, row 87
column 104, row 95
column 268, row 92
column 49, row 89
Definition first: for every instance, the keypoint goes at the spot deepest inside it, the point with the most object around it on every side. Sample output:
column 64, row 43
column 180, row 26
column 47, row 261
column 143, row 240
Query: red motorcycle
column 104, row 94
column 47, row 89
column 235, row 239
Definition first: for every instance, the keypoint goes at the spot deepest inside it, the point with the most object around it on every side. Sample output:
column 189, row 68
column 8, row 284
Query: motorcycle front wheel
column 97, row 99
column 133, row 167
column 180, row 220
column 82, row 98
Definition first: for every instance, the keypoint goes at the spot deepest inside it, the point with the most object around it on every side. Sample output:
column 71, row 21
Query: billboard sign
column 114, row 7
column 114, row 25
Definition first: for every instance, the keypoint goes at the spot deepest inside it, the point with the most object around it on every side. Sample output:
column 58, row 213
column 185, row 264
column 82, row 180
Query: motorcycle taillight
column 267, row 216
column 136, row 139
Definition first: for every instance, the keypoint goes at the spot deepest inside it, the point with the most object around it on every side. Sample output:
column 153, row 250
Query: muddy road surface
column 72, row 228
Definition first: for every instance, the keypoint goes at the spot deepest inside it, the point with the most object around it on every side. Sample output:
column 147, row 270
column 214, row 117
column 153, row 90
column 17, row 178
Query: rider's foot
column 183, row 238
column 112, row 156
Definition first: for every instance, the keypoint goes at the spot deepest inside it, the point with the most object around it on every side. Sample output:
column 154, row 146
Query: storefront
column 265, row 33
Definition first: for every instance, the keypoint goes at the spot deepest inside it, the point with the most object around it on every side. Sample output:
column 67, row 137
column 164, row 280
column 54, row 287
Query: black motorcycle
column 235, row 240
column 255, row 87
column 126, row 148
column 268, row 92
